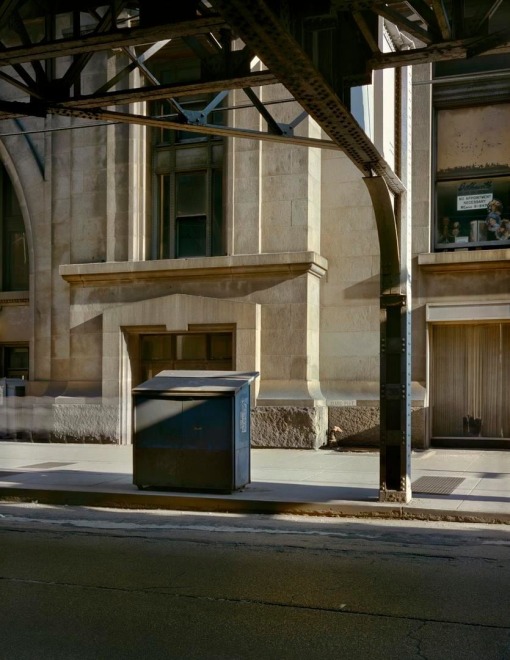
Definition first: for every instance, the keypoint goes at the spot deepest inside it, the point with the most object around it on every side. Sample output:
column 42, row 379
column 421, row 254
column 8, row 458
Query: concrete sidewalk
column 463, row 485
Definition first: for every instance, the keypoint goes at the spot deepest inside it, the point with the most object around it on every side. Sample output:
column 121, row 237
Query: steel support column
column 395, row 366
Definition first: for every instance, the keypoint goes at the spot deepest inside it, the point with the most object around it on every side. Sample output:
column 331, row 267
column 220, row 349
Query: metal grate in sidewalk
column 436, row 485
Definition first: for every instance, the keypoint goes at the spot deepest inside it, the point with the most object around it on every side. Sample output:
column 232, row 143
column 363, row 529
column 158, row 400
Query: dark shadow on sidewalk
column 121, row 482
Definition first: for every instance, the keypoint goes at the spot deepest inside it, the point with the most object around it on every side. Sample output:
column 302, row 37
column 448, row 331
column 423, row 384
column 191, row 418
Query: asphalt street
column 85, row 583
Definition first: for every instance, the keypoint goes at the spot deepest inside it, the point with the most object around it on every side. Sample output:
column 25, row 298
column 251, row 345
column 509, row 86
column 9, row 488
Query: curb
column 215, row 504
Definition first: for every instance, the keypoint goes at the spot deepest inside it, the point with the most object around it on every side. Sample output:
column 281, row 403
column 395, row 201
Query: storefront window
column 473, row 212
column 473, row 178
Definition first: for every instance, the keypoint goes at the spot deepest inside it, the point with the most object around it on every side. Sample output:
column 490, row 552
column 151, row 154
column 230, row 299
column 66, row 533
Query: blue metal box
column 191, row 431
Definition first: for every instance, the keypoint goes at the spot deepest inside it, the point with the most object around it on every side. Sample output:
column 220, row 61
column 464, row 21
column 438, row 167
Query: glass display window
column 472, row 177
column 473, row 213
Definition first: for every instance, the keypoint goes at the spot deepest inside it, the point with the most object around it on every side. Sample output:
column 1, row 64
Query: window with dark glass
column 190, row 350
column 473, row 213
column 190, row 206
column 14, row 270
column 187, row 166
column 188, row 169
column 14, row 361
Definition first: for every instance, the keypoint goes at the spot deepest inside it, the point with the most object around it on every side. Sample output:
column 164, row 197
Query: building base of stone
column 288, row 427
column 359, row 426
column 35, row 419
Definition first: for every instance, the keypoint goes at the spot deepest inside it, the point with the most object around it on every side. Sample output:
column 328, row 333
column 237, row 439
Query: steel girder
column 441, row 29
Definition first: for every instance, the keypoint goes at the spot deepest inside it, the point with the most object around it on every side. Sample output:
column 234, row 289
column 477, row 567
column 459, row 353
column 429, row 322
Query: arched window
column 14, row 252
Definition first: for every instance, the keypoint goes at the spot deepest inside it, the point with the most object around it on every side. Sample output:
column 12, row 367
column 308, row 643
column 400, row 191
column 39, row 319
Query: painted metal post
column 393, row 219
column 395, row 461
column 395, row 373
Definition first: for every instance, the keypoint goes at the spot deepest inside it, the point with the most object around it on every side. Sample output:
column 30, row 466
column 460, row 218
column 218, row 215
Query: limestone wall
column 299, row 282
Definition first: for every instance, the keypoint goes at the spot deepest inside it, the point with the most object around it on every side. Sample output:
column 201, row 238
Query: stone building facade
column 135, row 250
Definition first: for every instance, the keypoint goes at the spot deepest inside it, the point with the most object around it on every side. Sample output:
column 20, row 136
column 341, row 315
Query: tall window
column 14, row 270
column 189, row 213
column 188, row 170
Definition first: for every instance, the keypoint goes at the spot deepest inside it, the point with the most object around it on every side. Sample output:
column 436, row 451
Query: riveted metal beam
column 107, row 40
column 443, row 20
column 158, row 92
column 204, row 128
column 261, row 29
column 137, row 62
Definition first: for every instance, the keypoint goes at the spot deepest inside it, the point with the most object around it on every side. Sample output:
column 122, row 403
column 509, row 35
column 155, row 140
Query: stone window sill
column 469, row 260
column 281, row 263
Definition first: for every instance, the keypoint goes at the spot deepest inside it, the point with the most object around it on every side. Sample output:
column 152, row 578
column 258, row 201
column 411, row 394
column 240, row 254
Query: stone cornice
column 465, row 261
column 281, row 264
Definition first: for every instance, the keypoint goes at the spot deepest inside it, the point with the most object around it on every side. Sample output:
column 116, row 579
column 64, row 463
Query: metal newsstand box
column 191, row 430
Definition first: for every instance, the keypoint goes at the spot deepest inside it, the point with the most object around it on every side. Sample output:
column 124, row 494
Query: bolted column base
column 403, row 496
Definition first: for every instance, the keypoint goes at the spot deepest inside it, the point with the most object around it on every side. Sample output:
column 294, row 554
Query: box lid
column 197, row 381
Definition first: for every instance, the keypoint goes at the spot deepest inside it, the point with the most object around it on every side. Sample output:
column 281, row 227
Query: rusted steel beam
column 207, row 129
column 365, row 31
column 158, row 92
column 260, row 29
column 442, row 18
column 108, row 40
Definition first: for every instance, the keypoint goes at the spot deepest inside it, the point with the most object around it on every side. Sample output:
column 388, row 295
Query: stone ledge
column 251, row 265
column 470, row 260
